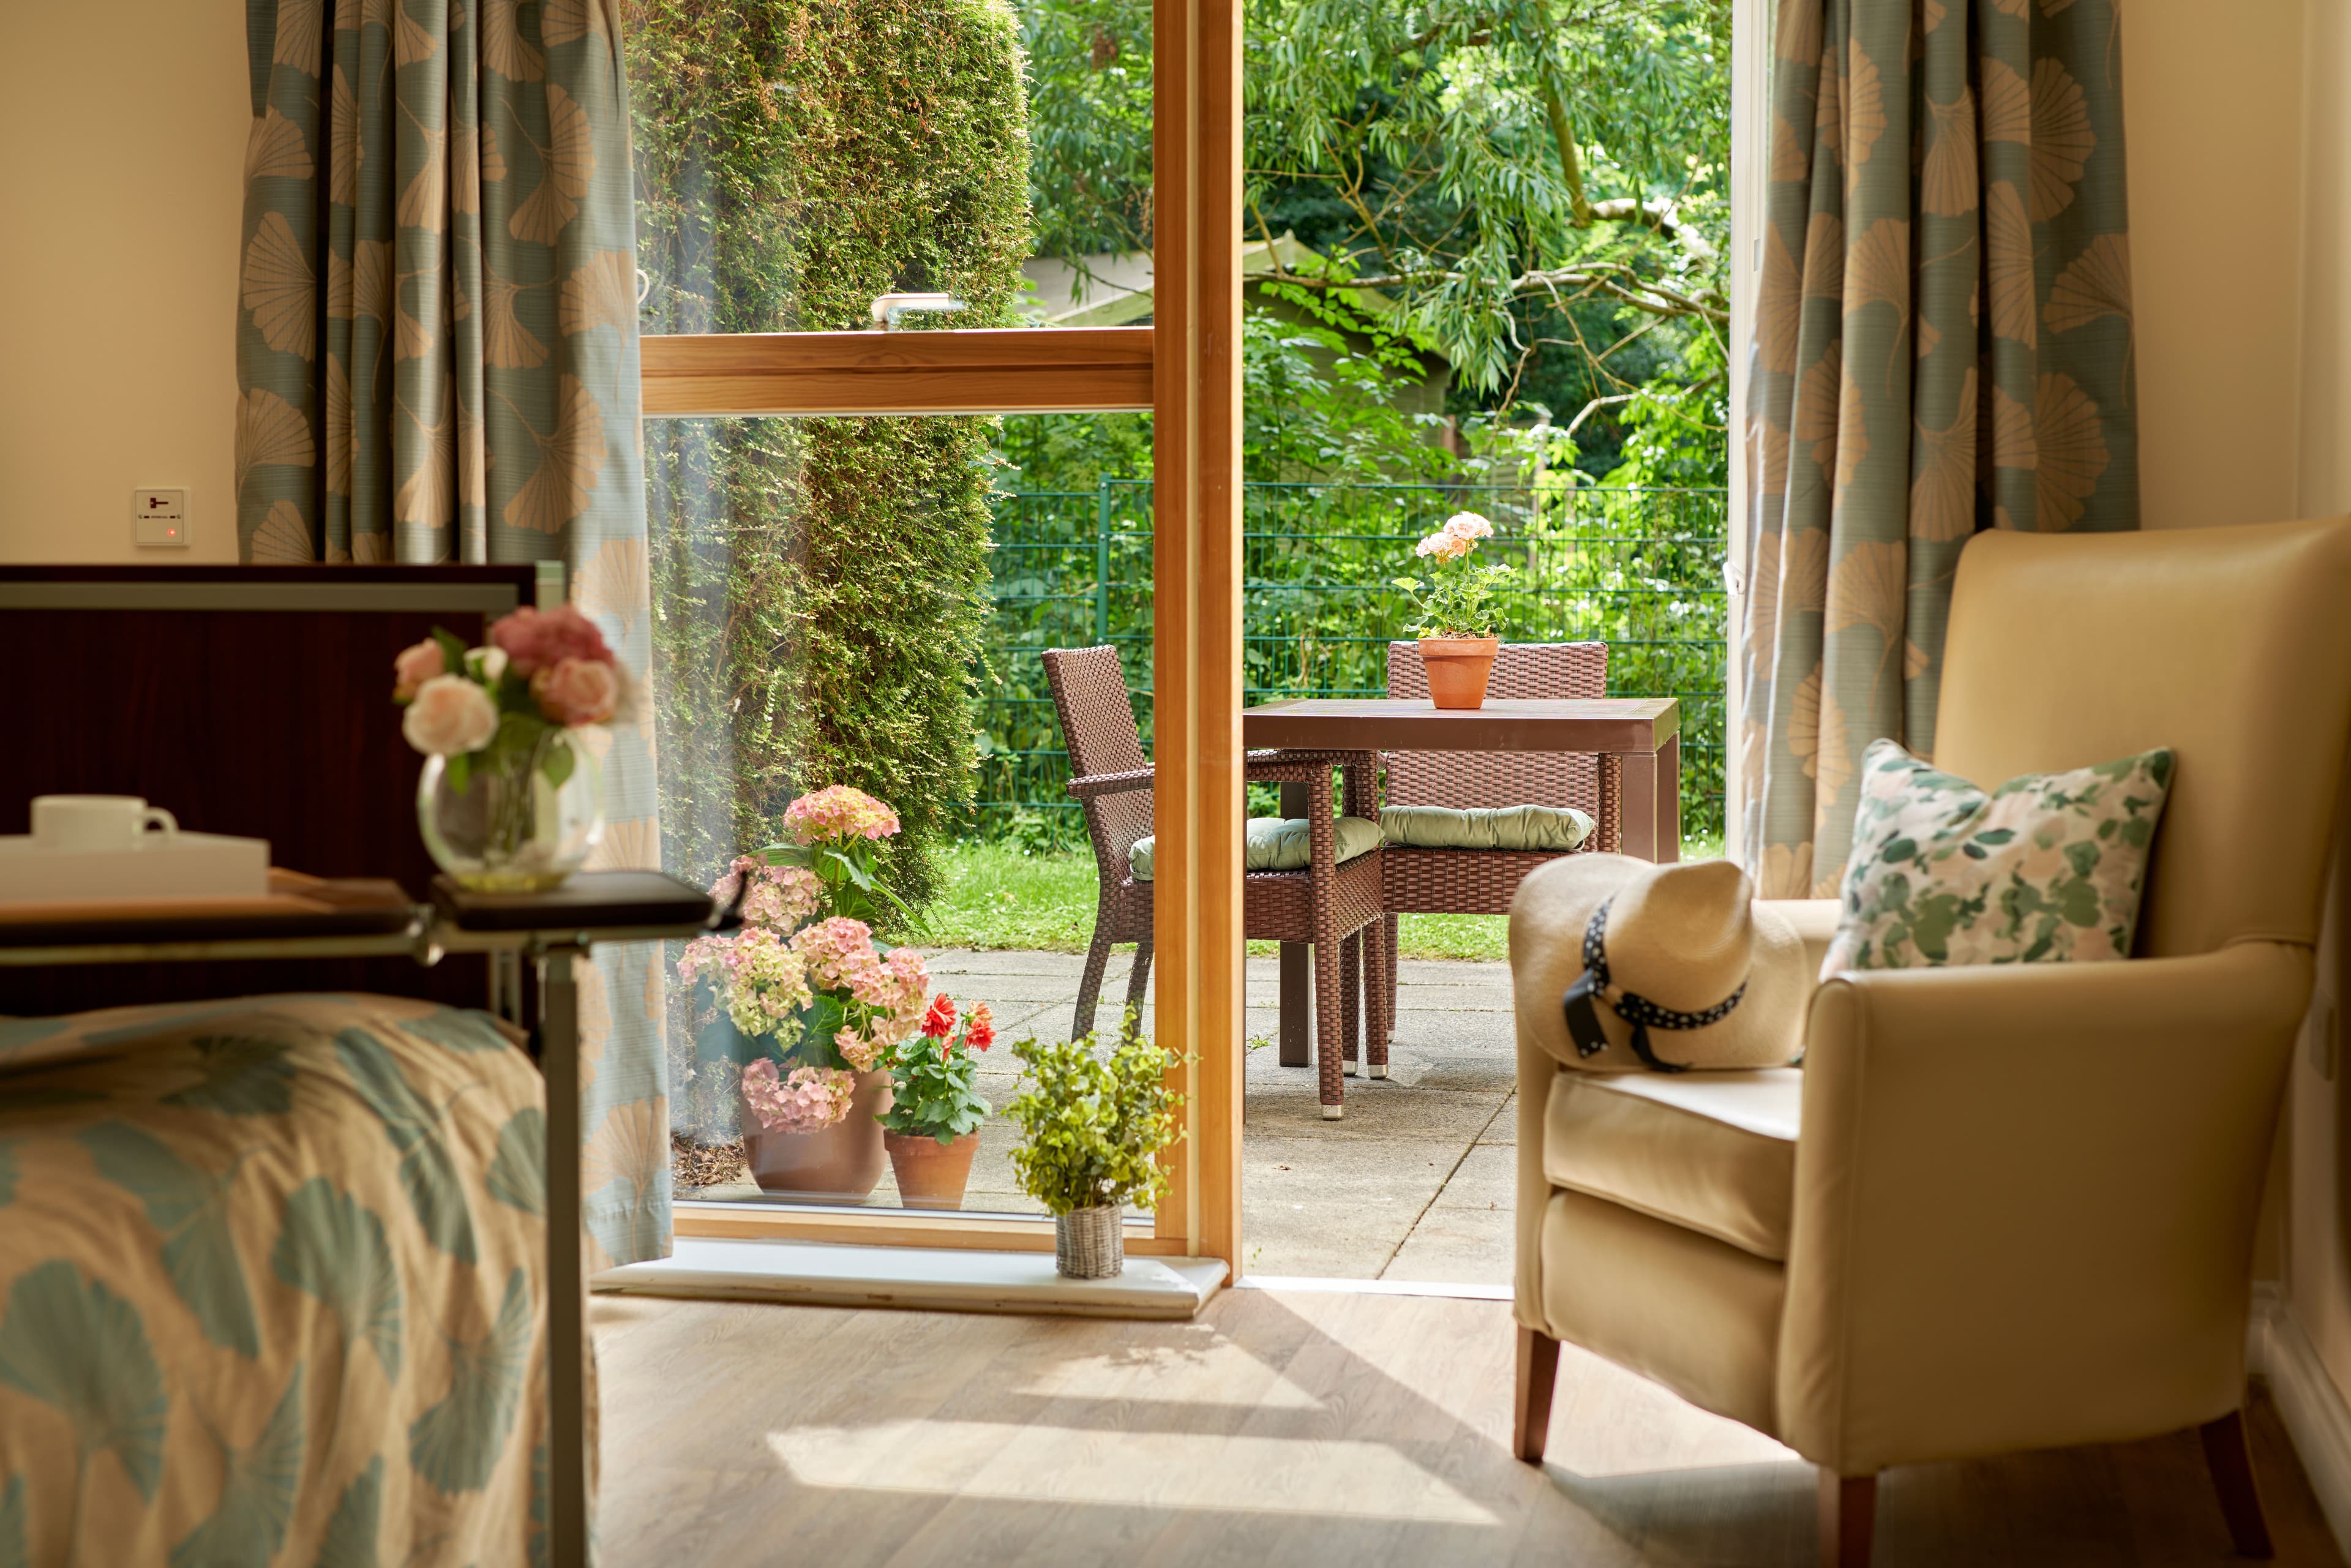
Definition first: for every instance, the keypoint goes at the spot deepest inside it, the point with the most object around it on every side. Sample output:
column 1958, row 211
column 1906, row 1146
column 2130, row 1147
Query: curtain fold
column 1942, row 344
column 437, row 361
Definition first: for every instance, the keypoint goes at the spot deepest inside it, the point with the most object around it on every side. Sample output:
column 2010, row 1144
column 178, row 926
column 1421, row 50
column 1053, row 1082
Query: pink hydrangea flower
column 762, row 982
column 838, row 812
column 1468, row 526
column 781, row 896
column 810, row 1099
column 535, row 639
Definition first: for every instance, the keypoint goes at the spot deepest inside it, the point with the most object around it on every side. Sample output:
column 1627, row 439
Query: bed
column 271, row 1279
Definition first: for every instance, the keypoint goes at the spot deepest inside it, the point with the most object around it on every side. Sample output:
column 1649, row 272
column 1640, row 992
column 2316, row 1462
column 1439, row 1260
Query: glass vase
column 514, row 827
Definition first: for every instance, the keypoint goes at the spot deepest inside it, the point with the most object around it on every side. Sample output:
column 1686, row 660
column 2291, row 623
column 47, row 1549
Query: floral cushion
column 1275, row 843
column 2049, row 866
column 1543, row 830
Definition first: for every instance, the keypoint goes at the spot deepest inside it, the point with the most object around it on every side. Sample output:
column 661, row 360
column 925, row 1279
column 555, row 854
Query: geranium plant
column 1452, row 600
column 934, row 1074
column 1094, row 1123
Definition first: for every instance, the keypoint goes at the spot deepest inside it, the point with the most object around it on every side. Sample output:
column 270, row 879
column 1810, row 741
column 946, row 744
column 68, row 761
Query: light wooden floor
column 1283, row 1429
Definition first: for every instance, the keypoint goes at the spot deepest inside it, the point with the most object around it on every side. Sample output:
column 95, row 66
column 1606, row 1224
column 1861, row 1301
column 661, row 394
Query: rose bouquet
column 1452, row 600
column 510, row 798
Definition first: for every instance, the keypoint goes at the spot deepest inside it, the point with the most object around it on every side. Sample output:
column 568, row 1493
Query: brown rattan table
column 1641, row 734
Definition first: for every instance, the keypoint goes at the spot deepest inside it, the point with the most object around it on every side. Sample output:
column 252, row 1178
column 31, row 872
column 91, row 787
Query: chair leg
column 1848, row 1516
column 1388, row 979
column 1377, row 954
column 2230, row 1460
column 1138, row 985
column 1530, row 1404
column 1090, row 982
column 1326, row 1029
column 1351, row 997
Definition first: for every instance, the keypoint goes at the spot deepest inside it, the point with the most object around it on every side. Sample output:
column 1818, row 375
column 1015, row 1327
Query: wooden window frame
column 1186, row 369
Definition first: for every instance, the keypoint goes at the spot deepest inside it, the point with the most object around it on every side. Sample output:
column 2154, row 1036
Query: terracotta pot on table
column 931, row 1175
column 1459, row 668
column 841, row 1163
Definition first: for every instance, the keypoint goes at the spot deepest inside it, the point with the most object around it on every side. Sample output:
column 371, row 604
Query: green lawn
column 997, row 897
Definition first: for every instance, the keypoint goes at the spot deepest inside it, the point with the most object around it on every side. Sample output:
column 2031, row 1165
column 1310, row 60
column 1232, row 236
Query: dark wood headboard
column 247, row 700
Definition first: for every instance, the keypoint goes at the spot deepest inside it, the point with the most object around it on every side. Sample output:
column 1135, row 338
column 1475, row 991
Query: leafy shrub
column 1094, row 1123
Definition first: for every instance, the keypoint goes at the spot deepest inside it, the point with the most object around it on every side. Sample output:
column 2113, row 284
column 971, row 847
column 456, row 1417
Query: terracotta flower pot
column 840, row 1164
column 1459, row 668
column 931, row 1175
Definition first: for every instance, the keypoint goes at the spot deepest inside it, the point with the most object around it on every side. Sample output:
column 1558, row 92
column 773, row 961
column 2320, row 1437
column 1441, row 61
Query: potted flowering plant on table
column 511, row 800
column 1095, row 1125
column 932, row 1127
column 1457, row 623
column 805, row 1003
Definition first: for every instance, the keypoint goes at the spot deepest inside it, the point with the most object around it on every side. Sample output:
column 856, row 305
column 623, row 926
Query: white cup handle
column 156, row 817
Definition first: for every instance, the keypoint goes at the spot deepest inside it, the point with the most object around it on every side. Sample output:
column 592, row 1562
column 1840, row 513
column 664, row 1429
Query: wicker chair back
column 1098, row 727
column 1464, row 780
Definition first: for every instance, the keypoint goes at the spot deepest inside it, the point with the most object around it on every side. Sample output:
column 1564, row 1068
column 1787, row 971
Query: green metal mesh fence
column 1638, row 570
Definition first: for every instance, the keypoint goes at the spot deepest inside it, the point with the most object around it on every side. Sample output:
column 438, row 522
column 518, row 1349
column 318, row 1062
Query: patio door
column 809, row 360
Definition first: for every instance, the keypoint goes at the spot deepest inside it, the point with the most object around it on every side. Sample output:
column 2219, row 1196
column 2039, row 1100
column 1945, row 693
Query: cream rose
column 450, row 715
column 576, row 692
column 415, row 665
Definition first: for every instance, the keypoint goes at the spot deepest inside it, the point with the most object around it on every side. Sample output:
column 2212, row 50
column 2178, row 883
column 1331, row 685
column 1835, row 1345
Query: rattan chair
column 1483, row 882
column 1328, row 904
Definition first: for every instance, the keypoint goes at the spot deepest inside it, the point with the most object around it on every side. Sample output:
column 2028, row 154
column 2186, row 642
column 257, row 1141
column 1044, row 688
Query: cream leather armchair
column 1996, row 1208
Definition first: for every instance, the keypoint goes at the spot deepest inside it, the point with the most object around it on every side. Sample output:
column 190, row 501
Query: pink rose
column 536, row 640
column 450, row 715
column 416, row 666
column 577, row 691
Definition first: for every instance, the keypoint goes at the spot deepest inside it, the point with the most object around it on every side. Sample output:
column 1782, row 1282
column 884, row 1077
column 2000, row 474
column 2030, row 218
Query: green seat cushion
column 1277, row 843
column 1543, row 830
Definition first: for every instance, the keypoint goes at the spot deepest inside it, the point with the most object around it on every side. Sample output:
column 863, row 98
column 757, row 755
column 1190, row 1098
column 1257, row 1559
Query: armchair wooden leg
column 1538, row 1374
column 1848, row 1516
column 2227, row 1456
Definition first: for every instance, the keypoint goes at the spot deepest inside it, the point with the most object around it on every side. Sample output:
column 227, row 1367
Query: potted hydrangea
column 1456, row 620
column 806, row 1002
column 1095, row 1123
column 932, row 1127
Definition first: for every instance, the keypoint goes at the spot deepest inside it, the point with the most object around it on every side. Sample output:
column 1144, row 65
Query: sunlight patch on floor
column 1099, row 1468
column 1171, row 1375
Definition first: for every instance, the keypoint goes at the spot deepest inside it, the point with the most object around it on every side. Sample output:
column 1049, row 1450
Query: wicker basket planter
column 1459, row 668
column 1090, row 1243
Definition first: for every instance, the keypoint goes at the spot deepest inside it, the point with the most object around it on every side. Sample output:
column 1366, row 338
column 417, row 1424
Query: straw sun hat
column 1659, row 967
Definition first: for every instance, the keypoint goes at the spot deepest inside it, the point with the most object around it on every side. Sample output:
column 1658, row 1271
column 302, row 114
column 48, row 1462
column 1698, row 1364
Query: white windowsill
column 816, row 1273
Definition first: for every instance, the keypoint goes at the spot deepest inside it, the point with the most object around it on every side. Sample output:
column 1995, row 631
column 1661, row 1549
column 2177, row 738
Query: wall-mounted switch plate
column 158, row 516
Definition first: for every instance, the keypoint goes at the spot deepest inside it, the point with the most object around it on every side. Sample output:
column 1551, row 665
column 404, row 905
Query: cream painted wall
column 2212, row 110
column 2318, row 1236
column 119, row 267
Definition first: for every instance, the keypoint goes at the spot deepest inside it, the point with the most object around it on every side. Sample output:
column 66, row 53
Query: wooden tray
column 296, row 905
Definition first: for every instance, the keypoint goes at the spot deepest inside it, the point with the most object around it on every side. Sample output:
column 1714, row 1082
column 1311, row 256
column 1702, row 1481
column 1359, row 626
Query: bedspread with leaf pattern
column 271, row 1287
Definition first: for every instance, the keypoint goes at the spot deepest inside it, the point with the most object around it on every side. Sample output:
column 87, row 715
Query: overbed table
column 1642, row 733
column 304, row 917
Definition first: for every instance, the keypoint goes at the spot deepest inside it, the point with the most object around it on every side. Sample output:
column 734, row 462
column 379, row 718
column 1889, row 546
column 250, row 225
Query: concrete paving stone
column 1318, row 1209
column 1457, row 1247
column 1487, row 1178
column 1376, row 1111
column 1504, row 1128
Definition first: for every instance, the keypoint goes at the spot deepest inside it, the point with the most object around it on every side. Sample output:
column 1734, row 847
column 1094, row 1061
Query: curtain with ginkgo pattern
column 437, row 361
column 1942, row 344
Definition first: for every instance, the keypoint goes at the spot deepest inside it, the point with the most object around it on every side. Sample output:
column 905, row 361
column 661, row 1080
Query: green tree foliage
column 1537, row 188
column 819, row 584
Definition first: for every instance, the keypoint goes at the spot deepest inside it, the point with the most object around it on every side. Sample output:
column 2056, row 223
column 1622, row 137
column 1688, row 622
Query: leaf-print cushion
column 2047, row 867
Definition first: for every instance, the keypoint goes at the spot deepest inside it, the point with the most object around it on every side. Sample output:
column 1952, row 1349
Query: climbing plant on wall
column 820, row 584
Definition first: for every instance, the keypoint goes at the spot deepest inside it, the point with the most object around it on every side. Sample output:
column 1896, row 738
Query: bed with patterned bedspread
column 271, row 1286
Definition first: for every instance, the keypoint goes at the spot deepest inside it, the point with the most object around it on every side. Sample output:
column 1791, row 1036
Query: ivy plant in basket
column 1095, row 1122
column 1453, row 606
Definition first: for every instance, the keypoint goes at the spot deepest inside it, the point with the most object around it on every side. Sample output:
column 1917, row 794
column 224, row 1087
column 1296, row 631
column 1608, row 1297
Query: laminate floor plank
column 1285, row 1428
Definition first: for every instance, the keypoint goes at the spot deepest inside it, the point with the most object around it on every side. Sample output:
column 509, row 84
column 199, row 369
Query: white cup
column 97, row 821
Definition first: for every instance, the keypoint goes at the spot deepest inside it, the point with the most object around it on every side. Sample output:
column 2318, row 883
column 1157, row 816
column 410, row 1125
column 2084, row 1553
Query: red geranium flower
column 982, row 1032
column 939, row 1022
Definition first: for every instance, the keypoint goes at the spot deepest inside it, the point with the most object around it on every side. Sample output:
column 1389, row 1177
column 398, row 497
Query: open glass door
column 863, row 369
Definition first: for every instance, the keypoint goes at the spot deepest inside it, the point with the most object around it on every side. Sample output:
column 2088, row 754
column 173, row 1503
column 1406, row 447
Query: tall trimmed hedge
column 819, row 585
